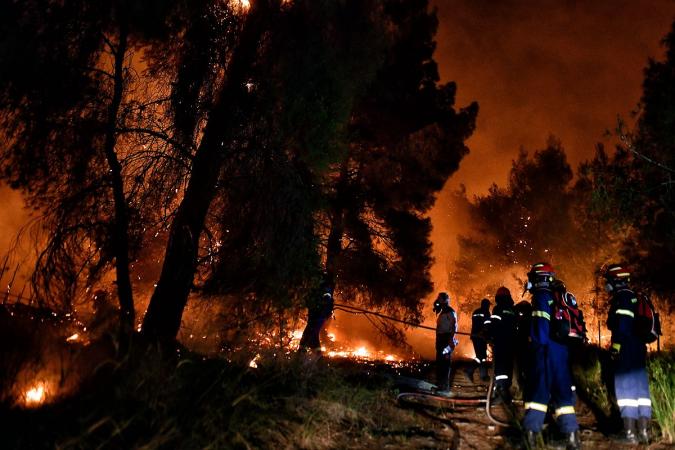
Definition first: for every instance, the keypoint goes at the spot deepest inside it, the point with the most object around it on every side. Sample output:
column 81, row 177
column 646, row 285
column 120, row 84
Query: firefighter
column 523, row 310
column 478, row 340
column 446, row 327
column 550, row 378
column 503, row 334
column 629, row 354
column 319, row 310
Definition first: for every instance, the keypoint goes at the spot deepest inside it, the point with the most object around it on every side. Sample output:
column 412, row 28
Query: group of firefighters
column 523, row 333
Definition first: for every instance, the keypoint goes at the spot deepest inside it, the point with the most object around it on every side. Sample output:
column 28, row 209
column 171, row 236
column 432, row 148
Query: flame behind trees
column 620, row 207
column 634, row 187
column 225, row 135
column 71, row 99
column 540, row 215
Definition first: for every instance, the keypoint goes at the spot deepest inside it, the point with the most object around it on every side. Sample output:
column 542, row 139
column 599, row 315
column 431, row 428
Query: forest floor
column 469, row 427
column 284, row 402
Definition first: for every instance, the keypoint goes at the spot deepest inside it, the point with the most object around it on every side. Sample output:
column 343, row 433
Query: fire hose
column 354, row 310
column 488, row 402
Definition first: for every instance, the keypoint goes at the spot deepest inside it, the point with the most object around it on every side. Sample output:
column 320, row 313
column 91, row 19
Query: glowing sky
column 541, row 67
column 538, row 67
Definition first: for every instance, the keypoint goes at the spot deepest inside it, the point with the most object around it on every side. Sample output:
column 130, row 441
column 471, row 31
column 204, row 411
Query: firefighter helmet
column 541, row 275
column 617, row 272
column 441, row 302
column 503, row 292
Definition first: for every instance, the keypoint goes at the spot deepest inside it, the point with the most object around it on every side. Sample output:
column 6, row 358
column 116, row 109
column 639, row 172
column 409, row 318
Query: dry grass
column 661, row 368
column 210, row 403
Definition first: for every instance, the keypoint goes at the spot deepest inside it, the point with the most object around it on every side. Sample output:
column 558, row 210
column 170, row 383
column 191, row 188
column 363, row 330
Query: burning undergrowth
column 286, row 401
column 38, row 351
column 46, row 355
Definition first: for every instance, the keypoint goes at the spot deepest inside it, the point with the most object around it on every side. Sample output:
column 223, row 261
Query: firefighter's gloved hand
column 614, row 350
column 447, row 352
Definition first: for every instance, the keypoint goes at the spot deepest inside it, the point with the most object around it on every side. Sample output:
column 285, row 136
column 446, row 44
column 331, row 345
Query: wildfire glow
column 35, row 395
column 362, row 352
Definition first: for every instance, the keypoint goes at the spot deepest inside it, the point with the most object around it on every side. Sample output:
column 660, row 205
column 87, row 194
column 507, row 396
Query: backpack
column 647, row 324
column 567, row 320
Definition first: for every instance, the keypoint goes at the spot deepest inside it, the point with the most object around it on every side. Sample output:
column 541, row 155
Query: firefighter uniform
column 503, row 332
column 319, row 310
column 550, row 378
column 446, row 341
column 630, row 375
column 478, row 319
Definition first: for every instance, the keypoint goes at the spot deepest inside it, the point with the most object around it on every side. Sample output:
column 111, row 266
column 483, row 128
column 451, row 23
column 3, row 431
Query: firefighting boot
column 627, row 435
column 469, row 373
column 643, row 430
column 534, row 440
column 573, row 441
column 483, row 372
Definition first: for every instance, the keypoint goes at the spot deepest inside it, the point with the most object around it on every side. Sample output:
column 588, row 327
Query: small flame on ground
column 35, row 395
column 73, row 338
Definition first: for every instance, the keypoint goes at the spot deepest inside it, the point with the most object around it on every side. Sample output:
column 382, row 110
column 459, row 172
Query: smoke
column 540, row 67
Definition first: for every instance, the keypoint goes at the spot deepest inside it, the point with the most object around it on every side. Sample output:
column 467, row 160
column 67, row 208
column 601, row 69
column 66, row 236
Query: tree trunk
column 121, row 225
column 337, row 229
column 163, row 317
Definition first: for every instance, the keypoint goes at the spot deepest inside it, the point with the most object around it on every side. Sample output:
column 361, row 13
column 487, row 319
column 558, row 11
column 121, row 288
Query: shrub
column 661, row 367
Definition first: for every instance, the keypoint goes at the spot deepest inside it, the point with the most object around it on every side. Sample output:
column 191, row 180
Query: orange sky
column 538, row 67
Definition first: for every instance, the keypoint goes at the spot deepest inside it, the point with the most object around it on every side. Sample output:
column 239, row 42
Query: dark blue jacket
column 503, row 321
column 620, row 319
column 542, row 301
column 478, row 319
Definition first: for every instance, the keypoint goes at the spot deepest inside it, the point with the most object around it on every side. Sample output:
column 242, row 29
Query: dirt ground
column 468, row 427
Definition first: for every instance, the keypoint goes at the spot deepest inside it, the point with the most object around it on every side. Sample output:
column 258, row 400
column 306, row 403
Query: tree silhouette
column 634, row 186
column 405, row 140
column 74, row 126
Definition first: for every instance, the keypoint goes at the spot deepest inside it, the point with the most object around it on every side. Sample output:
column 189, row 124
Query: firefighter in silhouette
column 629, row 354
column 550, row 379
column 523, row 310
column 478, row 339
column 502, row 330
column 319, row 310
column 446, row 327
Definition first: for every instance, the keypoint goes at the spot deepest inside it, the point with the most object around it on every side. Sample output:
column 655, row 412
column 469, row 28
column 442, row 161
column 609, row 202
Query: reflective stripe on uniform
column 477, row 360
column 478, row 315
column 487, row 321
column 502, row 377
column 495, row 316
column 644, row 402
column 564, row 410
column 536, row 406
column 627, row 402
column 542, row 314
column 625, row 312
